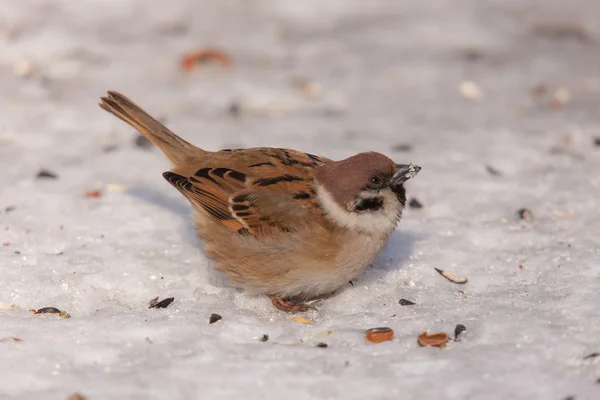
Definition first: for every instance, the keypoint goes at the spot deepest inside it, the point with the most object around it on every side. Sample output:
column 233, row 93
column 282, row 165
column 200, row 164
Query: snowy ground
column 390, row 74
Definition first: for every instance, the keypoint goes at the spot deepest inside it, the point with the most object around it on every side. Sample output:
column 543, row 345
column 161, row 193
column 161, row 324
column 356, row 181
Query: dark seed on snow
column 597, row 141
column 592, row 355
column 214, row 318
column 48, row 310
column 9, row 209
column 164, row 303
column 414, row 203
column 264, row 338
column 142, row 142
column 492, row 171
column 322, row 345
column 46, row 174
column 525, row 214
column 460, row 328
column 404, row 302
column 402, row 147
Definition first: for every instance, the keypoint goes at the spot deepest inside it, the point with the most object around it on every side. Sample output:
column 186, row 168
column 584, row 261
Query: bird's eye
column 375, row 180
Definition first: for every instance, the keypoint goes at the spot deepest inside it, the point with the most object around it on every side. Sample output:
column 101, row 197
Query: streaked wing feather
column 274, row 189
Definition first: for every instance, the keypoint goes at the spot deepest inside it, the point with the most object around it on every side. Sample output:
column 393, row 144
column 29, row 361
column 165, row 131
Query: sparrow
column 280, row 222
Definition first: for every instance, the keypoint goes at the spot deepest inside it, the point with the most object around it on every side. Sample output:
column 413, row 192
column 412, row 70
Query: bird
column 281, row 222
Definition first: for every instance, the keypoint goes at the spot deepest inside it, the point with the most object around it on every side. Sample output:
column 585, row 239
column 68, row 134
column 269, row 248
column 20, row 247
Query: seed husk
column 451, row 277
column 404, row 302
column 164, row 303
column 46, row 174
column 525, row 214
column 47, row 310
column 414, row 203
column 11, row 339
column 264, row 338
column 378, row 335
column 142, row 142
column 303, row 320
column 460, row 328
column 435, row 339
column 214, row 318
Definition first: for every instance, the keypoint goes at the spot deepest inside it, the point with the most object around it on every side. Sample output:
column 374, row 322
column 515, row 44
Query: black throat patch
column 368, row 204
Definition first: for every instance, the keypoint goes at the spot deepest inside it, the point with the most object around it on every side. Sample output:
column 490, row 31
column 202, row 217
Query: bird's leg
column 288, row 305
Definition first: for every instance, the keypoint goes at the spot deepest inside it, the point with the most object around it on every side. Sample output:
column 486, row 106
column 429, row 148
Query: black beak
column 404, row 172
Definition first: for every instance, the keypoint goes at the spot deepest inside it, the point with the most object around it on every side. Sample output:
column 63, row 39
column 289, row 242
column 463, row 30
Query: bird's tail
column 177, row 150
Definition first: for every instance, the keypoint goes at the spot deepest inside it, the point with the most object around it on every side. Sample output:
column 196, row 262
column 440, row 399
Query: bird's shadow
column 178, row 207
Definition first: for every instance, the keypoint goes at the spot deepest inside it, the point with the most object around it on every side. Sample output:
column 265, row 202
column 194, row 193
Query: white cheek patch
column 382, row 221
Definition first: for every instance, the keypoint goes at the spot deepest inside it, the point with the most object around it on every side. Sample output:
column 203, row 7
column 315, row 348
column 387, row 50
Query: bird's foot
column 288, row 305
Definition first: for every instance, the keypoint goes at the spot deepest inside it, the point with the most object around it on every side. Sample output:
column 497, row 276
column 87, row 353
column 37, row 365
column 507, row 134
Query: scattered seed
column 9, row 209
column 451, row 277
column 591, row 355
column 470, row 91
column 557, row 31
column 309, row 87
column 414, row 203
column 110, row 148
column 539, row 90
column 47, row 310
column 11, row 339
column 561, row 97
column 93, row 193
column 164, row 303
column 563, row 214
column 46, row 174
column 472, row 55
column 77, row 396
column 190, row 60
column 214, row 318
column 235, row 109
column 142, row 142
column 51, row 310
column 378, row 335
column 404, row 302
column 264, row 338
column 148, row 340
column 521, row 266
column 492, row 171
column 435, row 339
column 5, row 244
column 525, row 214
column 403, row 147
column 322, row 345
column 597, row 141
column 303, row 320
column 116, row 187
column 24, row 68
column 460, row 328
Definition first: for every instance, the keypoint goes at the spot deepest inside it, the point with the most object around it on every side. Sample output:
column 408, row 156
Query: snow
column 390, row 74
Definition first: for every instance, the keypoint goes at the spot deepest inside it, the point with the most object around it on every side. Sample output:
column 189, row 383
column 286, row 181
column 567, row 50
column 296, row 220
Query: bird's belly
column 313, row 264
column 353, row 257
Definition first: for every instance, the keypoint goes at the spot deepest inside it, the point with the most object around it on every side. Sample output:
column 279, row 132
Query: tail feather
column 177, row 150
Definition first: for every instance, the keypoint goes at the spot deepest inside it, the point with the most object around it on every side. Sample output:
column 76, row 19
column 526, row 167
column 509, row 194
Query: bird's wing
column 272, row 199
